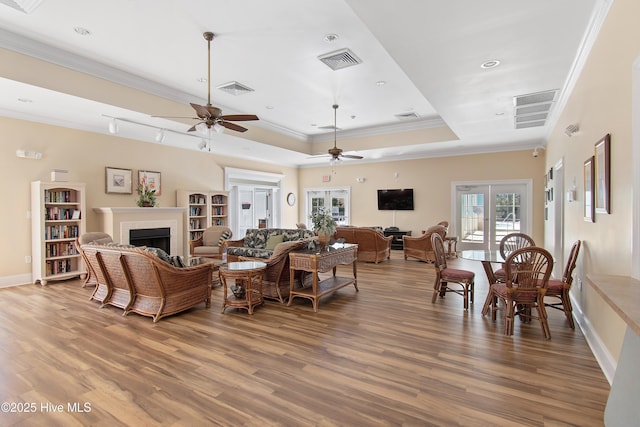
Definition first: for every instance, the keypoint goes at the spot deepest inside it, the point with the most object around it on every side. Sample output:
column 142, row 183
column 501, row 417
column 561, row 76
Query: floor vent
column 235, row 88
column 532, row 110
column 340, row 59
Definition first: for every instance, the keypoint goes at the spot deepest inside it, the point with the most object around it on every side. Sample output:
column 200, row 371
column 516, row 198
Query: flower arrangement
column 147, row 195
column 323, row 222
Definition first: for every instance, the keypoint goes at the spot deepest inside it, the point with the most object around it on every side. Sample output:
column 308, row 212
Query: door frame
column 528, row 195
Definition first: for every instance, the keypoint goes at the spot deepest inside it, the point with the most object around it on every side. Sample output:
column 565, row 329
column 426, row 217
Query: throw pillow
column 160, row 254
column 178, row 261
column 224, row 236
column 274, row 240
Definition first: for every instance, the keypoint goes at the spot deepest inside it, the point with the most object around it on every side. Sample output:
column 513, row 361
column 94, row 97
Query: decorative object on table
column 589, row 206
column 323, row 225
column 146, row 194
column 602, row 174
column 238, row 291
column 118, row 180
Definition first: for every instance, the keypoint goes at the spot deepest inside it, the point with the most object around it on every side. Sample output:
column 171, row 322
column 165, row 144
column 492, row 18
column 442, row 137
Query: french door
column 335, row 199
column 486, row 212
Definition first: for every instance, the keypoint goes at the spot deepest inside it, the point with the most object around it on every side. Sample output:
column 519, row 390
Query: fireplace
column 152, row 237
column 120, row 222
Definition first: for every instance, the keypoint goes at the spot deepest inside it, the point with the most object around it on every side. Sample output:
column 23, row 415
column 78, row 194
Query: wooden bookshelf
column 204, row 209
column 57, row 219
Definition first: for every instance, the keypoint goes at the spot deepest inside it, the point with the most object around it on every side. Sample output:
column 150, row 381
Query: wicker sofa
column 419, row 247
column 140, row 281
column 261, row 242
column 373, row 246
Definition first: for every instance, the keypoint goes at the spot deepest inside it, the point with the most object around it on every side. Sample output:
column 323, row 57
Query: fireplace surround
column 118, row 222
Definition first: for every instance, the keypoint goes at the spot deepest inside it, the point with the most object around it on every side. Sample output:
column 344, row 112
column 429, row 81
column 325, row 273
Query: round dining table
column 486, row 257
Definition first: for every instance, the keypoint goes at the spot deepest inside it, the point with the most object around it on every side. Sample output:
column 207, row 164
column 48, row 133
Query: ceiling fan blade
column 232, row 126
column 214, row 112
column 351, row 156
column 202, row 112
column 193, row 128
column 239, row 117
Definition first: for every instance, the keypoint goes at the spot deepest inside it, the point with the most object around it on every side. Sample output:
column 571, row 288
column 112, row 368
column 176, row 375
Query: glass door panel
column 486, row 213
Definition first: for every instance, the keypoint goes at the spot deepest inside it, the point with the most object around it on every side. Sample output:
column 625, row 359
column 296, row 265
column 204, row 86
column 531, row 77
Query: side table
column 246, row 276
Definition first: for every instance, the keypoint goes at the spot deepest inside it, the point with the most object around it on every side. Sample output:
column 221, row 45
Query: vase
column 147, row 204
column 324, row 239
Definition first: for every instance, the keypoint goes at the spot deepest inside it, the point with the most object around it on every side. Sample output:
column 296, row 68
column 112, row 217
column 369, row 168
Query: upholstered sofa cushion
column 254, row 243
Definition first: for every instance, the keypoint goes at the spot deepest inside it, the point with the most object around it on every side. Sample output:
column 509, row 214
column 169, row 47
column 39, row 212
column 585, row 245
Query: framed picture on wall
column 118, row 180
column 603, row 174
column 151, row 180
column 589, row 206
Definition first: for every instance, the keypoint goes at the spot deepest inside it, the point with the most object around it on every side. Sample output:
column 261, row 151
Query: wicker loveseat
column 261, row 242
column 373, row 246
column 139, row 281
column 419, row 247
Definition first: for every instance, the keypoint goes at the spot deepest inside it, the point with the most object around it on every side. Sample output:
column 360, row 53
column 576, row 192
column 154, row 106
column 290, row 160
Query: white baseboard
column 603, row 357
column 21, row 279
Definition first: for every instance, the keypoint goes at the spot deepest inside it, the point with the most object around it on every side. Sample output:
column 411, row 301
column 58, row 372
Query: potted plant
column 146, row 194
column 323, row 225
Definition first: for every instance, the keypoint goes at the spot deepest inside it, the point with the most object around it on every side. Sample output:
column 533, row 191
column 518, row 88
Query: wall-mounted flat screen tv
column 395, row 200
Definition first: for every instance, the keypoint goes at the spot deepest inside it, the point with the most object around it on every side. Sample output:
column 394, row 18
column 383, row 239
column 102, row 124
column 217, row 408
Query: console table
column 397, row 242
column 321, row 261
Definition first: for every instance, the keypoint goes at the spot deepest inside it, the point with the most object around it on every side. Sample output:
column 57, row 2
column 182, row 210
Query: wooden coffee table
column 246, row 275
column 321, row 261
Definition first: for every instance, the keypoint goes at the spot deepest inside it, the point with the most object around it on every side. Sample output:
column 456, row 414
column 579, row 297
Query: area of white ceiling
column 428, row 54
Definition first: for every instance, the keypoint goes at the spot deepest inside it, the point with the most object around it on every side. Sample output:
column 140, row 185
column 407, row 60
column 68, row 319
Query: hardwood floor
column 382, row 356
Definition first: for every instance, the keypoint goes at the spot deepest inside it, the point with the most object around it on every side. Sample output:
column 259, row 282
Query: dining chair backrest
column 513, row 241
column 567, row 275
column 528, row 270
column 440, row 256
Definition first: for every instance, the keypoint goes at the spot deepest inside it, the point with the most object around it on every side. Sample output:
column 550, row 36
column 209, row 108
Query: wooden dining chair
column 527, row 272
column 508, row 244
column 559, row 288
column 450, row 276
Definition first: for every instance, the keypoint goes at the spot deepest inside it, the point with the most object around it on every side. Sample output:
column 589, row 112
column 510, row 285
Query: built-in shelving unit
column 57, row 219
column 204, row 209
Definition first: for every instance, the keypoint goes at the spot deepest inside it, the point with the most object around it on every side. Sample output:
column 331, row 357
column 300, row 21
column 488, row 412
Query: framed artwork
column 603, row 174
column 589, row 206
column 151, row 180
column 118, row 180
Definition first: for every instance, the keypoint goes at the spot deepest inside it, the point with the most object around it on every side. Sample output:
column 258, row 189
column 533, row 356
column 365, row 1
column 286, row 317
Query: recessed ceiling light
column 330, row 38
column 25, row 100
column 490, row 64
column 381, row 83
column 269, row 107
column 202, row 80
column 82, row 31
column 499, row 113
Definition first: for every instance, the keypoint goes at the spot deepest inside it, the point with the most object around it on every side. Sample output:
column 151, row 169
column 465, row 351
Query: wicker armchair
column 527, row 278
column 275, row 283
column 420, row 247
column 445, row 276
column 508, row 244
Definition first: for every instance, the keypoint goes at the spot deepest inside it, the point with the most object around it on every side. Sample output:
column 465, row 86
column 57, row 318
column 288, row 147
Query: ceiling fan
column 212, row 116
column 335, row 152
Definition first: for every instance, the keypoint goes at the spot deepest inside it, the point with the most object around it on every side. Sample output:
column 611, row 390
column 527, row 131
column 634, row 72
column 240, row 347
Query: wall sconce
column 113, row 127
column 26, row 154
column 571, row 129
column 571, row 192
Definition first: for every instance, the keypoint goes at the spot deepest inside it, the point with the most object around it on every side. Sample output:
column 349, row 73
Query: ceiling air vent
column 532, row 110
column 340, row 59
column 407, row 116
column 235, row 88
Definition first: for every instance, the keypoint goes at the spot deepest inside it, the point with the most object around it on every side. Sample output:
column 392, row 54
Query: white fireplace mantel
column 118, row 221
